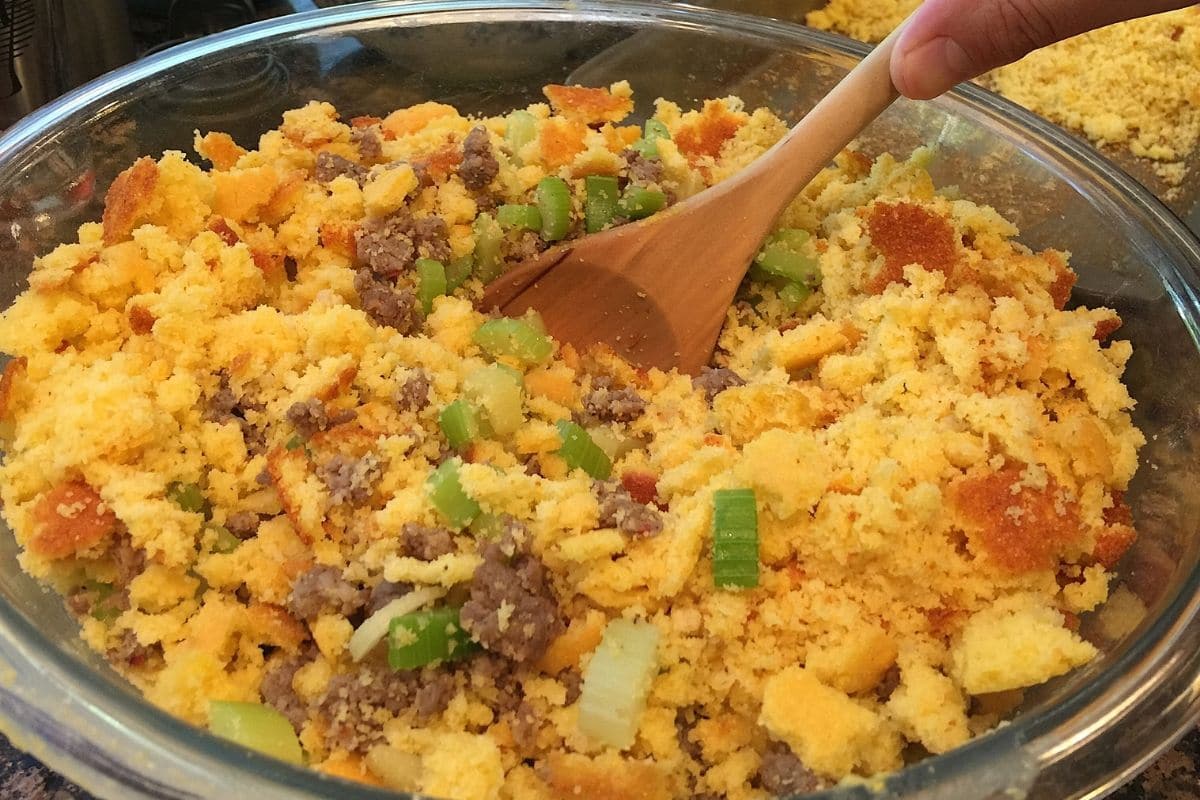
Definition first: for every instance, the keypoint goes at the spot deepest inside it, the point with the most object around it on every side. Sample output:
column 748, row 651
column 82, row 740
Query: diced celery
column 735, row 538
column 375, row 627
column 431, row 282
column 783, row 256
column 639, row 202
column 225, row 542
column 499, row 392
column 295, row 442
column 457, row 272
column 256, row 726
column 104, row 607
column 487, row 526
column 519, row 216
column 520, row 130
column 600, row 201
column 793, row 295
column 488, row 238
column 188, row 497
column 617, row 681
column 448, row 497
column 553, row 198
column 514, row 337
column 427, row 637
column 459, row 422
column 648, row 144
column 580, row 452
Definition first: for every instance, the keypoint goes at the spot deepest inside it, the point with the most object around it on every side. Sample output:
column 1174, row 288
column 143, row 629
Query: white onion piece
column 375, row 627
column 617, row 681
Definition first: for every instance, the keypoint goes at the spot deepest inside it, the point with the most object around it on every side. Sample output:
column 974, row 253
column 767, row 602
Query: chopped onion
column 617, row 681
column 375, row 627
column 396, row 768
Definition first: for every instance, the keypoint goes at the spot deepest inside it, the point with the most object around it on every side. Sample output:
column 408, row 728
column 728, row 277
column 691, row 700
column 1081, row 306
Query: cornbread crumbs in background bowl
column 1071, row 736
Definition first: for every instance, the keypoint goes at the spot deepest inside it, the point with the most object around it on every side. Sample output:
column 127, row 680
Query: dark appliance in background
column 48, row 47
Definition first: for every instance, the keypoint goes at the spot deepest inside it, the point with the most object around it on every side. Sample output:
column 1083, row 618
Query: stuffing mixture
column 1130, row 85
column 300, row 490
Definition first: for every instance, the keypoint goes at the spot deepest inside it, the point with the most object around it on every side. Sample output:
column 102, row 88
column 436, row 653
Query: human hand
column 950, row 41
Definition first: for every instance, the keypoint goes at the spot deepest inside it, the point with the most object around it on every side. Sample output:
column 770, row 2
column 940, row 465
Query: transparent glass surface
column 1076, row 737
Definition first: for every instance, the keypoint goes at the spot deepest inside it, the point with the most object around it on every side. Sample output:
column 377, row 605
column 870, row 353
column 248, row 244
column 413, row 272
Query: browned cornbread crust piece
column 938, row 451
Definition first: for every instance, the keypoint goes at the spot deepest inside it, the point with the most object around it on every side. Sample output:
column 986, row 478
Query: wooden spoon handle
column 810, row 146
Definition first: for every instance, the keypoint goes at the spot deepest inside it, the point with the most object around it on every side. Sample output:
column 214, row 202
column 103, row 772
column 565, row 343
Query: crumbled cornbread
column 1131, row 85
column 227, row 401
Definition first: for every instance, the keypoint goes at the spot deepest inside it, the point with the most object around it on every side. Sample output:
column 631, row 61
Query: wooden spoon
column 657, row 291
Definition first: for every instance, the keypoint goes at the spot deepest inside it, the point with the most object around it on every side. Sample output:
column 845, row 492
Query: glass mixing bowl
column 1076, row 737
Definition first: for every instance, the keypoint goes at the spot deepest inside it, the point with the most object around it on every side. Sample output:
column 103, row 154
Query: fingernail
column 932, row 68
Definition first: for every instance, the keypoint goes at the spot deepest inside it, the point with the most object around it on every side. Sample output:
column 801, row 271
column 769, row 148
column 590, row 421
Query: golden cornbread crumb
column 226, row 420
column 1130, row 85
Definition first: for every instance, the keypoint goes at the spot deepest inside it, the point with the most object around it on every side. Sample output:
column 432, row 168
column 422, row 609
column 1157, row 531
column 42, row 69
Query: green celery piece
column 519, row 216
column 295, row 442
column 460, row 423
column 518, row 338
column 487, row 526
column 427, row 637
column 188, row 497
column 735, row 539
column 499, row 392
column 256, row 726
column 600, row 201
column 553, row 198
column 457, row 272
column 520, row 130
column 652, row 132
column 580, row 452
column 639, row 202
column 225, row 542
column 793, row 295
column 431, row 282
column 488, row 238
column 783, row 256
column 448, row 497
column 616, row 683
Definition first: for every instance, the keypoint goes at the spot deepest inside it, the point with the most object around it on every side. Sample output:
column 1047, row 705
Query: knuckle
column 1022, row 26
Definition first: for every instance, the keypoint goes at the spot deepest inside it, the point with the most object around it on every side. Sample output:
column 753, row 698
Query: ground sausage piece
column 424, row 542
column 888, row 683
column 132, row 653
column 389, row 246
column 370, row 148
column 712, row 381
column 619, row 510
column 277, row 691
column 783, row 774
column 226, row 407
column 129, row 560
column 522, row 245
column 413, row 394
column 352, row 699
column 350, row 480
column 385, row 592
column 511, row 610
column 242, row 524
column 642, row 170
column 310, row 417
column 330, row 166
column 524, row 726
column 395, row 308
column 479, row 167
column 614, row 405
column 323, row 590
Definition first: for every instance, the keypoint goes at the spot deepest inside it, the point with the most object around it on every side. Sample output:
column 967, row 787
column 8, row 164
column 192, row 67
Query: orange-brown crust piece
column 571, row 776
column 590, row 105
column 1118, row 534
column 707, row 134
column 905, row 233
column 1107, row 327
column 1064, row 280
column 127, row 199
column 341, row 237
column 276, row 461
column 68, row 519
column 141, row 321
column 14, row 371
column 1021, row 528
column 220, row 149
column 221, row 228
column 642, row 486
column 560, row 141
column 365, row 121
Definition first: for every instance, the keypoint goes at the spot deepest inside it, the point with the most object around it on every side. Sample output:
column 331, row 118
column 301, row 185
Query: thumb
column 950, row 41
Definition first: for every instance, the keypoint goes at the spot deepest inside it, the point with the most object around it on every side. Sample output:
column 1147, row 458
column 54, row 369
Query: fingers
column 950, row 41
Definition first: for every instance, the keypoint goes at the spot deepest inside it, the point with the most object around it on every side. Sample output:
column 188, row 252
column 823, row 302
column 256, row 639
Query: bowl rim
column 1008, row 752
